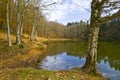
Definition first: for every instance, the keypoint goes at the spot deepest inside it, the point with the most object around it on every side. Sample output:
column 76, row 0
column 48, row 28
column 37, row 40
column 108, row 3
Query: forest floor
column 19, row 62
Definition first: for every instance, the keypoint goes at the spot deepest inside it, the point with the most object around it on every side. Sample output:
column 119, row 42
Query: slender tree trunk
column 32, row 36
column 11, row 16
column 7, row 19
column 21, row 30
column 22, row 12
column 90, row 64
column 36, row 34
column 18, row 38
column 32, row 33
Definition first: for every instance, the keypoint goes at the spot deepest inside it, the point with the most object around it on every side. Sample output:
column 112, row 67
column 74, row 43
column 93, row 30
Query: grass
column 19, row 63
column 34, row 74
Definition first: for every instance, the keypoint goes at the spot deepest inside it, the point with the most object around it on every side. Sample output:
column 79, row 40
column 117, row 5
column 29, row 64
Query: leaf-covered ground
column 19, row 62
column 34, row 74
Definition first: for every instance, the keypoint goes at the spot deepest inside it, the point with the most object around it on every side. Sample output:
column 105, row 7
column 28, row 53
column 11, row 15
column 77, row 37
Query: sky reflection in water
column 63, row 61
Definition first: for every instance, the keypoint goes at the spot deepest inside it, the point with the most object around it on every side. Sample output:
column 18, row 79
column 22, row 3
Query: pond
column 69, row 55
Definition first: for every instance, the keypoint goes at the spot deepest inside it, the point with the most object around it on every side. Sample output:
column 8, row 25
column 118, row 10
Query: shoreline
column 19, row 62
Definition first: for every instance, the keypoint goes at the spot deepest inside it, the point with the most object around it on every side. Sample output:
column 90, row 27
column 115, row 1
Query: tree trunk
column 34, row 29
column 36, row 34
column 7, row 19
column 21, row 29
column 11, row 15
column 90, row 64
column 18, row 38
column 32, row 37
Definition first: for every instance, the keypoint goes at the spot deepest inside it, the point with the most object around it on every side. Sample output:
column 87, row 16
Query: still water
column 68, row 55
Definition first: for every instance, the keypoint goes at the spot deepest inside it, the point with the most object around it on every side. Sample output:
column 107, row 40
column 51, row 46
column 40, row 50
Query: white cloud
column 60, row 11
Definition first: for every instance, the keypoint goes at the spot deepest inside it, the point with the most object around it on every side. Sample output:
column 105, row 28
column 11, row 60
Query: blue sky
column 68, row 11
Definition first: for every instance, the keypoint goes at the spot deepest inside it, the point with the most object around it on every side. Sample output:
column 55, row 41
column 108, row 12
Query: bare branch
column 111, row 9
column 109, row 4
column 115, row 15
column 103, row 2
column 83, row 8
column 46, row 5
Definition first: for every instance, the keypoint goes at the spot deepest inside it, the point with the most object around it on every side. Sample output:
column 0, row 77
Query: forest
column 28, row 17
column 35, row 48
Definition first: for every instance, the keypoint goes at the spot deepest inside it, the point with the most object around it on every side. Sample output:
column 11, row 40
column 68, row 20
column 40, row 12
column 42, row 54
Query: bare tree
column 7, row 21
column 19, row 15
column 34, row 27
column 18, row 39
column 38, row 6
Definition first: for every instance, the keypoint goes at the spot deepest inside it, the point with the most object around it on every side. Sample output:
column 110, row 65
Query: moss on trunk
column 90, row 65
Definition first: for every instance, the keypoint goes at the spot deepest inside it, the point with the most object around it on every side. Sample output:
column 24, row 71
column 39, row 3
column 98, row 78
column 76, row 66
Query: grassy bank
column 33, row 74
column 19, row 63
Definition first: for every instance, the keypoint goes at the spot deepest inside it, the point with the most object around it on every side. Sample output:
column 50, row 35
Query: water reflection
column 62, row 61
column 107, row 71
column 110, row 52
column 68, row 55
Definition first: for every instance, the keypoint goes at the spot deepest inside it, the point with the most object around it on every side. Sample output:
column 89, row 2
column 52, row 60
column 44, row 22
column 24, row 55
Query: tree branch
column 83, row 8
column 46, row 5
column 110, row 4
column 115, row 15
column 103, row 2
